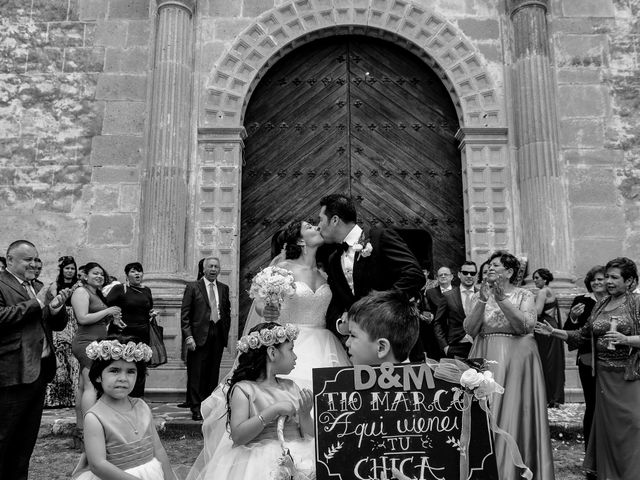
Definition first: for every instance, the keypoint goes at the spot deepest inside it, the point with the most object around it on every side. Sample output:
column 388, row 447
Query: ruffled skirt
column 152, row 470
column 260, row 460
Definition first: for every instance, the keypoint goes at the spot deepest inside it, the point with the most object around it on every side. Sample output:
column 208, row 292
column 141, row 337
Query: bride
column 316, row 346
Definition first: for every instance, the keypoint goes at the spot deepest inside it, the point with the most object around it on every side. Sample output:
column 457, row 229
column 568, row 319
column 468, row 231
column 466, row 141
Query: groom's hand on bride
column 271, row 313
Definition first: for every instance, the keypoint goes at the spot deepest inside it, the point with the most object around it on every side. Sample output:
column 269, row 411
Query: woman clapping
column 501, row 321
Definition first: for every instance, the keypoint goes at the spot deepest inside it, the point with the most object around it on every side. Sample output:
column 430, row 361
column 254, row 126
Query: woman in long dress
column 501, row 322
column 61, row 392
column 614, row 333
column 551, row 350
column 316, row 346
column 579, row 314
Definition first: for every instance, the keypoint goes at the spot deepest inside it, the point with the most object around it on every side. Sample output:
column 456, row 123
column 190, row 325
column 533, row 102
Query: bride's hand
column 271, row 313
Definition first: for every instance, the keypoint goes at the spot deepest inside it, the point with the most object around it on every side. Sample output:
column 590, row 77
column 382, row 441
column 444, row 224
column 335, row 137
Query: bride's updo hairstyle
column 292, row 240
column 251, row 364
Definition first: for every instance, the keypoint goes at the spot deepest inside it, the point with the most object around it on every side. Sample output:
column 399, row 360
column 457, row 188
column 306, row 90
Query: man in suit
column 365, row 261
column 206, row 319
column 431, row 299
column 448, row 323
column 27, row 356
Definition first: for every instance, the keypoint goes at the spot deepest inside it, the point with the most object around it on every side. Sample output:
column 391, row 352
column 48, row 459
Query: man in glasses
column 451, row 312
column 432, row 298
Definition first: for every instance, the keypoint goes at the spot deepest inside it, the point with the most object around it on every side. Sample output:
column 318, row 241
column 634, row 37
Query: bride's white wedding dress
column 315, row 347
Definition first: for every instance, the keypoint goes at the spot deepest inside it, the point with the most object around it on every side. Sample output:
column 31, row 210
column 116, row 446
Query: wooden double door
column 355, row 115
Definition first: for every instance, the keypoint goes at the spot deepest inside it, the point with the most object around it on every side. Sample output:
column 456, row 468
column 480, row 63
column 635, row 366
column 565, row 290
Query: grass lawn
column 54, row 457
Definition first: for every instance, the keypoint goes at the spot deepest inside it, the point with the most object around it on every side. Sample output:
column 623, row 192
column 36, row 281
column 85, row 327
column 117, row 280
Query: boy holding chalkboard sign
column 383, row 327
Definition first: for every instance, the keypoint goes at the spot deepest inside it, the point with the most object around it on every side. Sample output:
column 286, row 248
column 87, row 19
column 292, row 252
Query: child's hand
column 285, row 408
column 306, row 402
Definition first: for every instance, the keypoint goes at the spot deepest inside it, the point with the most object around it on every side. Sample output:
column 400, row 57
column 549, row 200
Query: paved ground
column 61, row 421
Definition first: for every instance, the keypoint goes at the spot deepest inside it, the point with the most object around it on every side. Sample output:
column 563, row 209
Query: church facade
column 165, row 131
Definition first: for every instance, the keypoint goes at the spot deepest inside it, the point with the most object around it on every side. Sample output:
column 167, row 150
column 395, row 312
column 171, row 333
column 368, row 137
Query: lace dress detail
column 316, row 347
column 306, row 307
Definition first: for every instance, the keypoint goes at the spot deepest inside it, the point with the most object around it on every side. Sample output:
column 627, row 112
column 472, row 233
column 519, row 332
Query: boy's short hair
column 389, row 315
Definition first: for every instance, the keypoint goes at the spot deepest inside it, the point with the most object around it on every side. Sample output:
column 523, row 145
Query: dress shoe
column 184, row 405
column 196, row 416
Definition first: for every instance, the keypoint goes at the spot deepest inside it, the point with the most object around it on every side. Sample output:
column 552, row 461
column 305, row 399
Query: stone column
column 164, row 204
column 543, row 195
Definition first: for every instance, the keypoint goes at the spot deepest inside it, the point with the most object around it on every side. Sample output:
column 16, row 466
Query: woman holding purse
column 136, row 303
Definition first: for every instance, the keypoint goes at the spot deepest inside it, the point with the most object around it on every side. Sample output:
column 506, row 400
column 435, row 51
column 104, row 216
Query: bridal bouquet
column 272, row 285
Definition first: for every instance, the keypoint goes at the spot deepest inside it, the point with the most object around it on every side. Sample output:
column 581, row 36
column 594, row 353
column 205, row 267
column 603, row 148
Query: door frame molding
column 489, row 185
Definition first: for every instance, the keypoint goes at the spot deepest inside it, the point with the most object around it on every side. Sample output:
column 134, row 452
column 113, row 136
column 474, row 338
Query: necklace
column 133, row 426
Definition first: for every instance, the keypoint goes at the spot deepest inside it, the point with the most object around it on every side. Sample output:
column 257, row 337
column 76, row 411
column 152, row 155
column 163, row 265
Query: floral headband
column 268, row 337
column 114, row 350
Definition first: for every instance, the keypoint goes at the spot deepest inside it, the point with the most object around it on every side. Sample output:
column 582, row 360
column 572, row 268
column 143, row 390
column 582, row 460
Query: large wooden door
column 354, row 115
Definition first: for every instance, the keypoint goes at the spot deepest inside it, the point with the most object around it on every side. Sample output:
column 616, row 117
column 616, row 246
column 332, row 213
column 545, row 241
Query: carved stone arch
column 278, row 31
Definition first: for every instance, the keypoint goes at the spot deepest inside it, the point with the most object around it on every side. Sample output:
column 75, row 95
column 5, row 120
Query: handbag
column 632, row 369
column 156, row 342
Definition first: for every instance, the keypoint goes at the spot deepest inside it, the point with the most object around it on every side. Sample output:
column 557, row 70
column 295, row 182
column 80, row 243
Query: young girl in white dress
column 120, row 438
column 264, row 415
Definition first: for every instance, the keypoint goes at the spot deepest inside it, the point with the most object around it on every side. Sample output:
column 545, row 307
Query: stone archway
column 430, row 36
column 488, row 188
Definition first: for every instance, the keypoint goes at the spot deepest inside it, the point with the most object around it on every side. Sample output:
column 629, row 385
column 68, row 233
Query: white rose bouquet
column 481, row 384
column 272, row 285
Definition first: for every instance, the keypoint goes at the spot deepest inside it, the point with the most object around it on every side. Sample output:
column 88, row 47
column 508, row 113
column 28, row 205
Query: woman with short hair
column 579, row 314
column 613, row 330
column 501, row 322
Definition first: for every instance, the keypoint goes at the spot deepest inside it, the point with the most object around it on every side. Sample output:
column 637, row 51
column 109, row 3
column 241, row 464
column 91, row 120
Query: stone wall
column 73, row 86
column 597, row 54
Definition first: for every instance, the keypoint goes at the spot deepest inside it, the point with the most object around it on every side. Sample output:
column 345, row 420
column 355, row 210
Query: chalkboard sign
column 369, row 419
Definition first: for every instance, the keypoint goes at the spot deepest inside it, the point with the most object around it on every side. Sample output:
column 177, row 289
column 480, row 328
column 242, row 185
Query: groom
column 364, row 261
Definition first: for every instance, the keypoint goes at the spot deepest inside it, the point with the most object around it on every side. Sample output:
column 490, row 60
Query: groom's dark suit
column 24, row 373
column 391, row 265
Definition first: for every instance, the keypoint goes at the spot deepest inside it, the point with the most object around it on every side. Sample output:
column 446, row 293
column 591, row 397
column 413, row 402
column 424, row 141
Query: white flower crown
column 268, row 337
column 114, row 350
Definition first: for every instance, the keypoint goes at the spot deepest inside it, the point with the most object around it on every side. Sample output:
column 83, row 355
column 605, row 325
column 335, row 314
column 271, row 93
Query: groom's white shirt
column 348, row 257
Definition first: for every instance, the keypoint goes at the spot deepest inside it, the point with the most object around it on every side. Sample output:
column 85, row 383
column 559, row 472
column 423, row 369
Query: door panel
column 354, row 115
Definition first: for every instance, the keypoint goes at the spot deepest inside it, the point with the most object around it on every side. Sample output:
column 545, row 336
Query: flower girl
column 120, row 438
column 263, row 412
